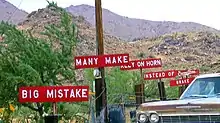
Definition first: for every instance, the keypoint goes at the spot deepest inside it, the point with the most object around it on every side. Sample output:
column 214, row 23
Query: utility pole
column 142, row 85
column 141, row 55
column 100, row 85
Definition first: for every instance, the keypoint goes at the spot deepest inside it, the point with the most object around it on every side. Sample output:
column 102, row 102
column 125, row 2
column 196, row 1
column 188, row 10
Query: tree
column 119, row 85
column 29, row 61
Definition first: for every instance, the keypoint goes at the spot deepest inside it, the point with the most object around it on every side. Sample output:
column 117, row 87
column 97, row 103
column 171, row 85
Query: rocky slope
column 187, row 50
column 178, row 50
column 11, row 13
column 132, row 29
column 87, row 45
column 36, row 21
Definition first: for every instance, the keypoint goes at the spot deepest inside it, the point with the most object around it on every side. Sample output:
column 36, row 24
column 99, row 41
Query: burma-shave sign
column 184, row 81
column 160, row 74
column 101, row 61
column 54, row 94
column 146, row 63
column 188, row 72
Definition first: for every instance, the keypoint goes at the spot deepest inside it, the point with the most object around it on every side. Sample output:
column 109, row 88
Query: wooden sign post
column 159, row 75
column 53, row 94
column 101, row 61
column 141, row 64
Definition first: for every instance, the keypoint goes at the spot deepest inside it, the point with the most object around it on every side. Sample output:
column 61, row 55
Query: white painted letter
column 96, row 60
column 78, row 92
column 66, row 90
column 24, row 94
column 72, row 94
column 60, row 94
column 107, row 60
column 78, row 62
column 49, row 94
column 84, row 92
column 125, row 59
column 36, row 94
column 119, row 59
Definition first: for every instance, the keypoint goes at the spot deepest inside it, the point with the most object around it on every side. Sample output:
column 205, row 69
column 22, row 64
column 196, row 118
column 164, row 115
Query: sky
column 206, row 12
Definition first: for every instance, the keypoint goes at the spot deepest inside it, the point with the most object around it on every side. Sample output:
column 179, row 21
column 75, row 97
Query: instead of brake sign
column 160, row 74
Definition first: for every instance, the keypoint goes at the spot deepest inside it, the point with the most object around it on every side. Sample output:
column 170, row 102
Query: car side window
column 195, row 89
column 208, row 89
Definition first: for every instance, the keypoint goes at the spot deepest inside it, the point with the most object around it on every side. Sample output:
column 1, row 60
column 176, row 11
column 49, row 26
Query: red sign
column 101, row 61
column 54, row 94
column 160, row 74
column 188, row 72
column 147, row 63
column 184, row 81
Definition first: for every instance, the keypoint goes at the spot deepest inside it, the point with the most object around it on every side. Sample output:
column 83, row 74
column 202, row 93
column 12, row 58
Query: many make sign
column 53, row 94
column 146, row 63
column 101, row 61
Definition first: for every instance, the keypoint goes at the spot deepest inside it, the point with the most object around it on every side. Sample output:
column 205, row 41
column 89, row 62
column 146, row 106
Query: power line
column 15, row 10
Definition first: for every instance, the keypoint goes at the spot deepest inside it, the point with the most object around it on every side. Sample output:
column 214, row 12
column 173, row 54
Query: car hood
column 184, row 105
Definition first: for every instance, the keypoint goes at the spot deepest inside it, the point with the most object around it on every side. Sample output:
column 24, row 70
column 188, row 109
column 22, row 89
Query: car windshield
column 203, row 88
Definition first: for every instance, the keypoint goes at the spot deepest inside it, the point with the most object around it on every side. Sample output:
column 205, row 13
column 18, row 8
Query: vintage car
column 199, row 103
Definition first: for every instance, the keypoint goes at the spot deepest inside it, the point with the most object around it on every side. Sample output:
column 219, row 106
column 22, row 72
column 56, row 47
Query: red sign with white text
column 147, row 63
column 188, row 72
column 160, row 74
column 54, row 94
column 101, row 61
column 184, row 81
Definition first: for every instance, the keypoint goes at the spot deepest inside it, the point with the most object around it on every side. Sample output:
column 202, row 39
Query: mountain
column 128, row 29
column 133, row 29
column 11, row 13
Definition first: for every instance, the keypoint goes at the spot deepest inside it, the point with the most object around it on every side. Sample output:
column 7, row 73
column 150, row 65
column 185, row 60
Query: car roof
column 209, row 75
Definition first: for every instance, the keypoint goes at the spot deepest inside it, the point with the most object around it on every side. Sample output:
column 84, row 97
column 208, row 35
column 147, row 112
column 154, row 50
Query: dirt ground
column 127, row 116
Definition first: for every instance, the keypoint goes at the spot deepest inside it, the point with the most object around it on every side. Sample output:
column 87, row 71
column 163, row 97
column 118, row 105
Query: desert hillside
column 177, row 50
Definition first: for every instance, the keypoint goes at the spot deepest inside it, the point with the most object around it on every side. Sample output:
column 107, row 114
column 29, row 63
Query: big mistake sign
column 101, row 61
column 54, row 94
